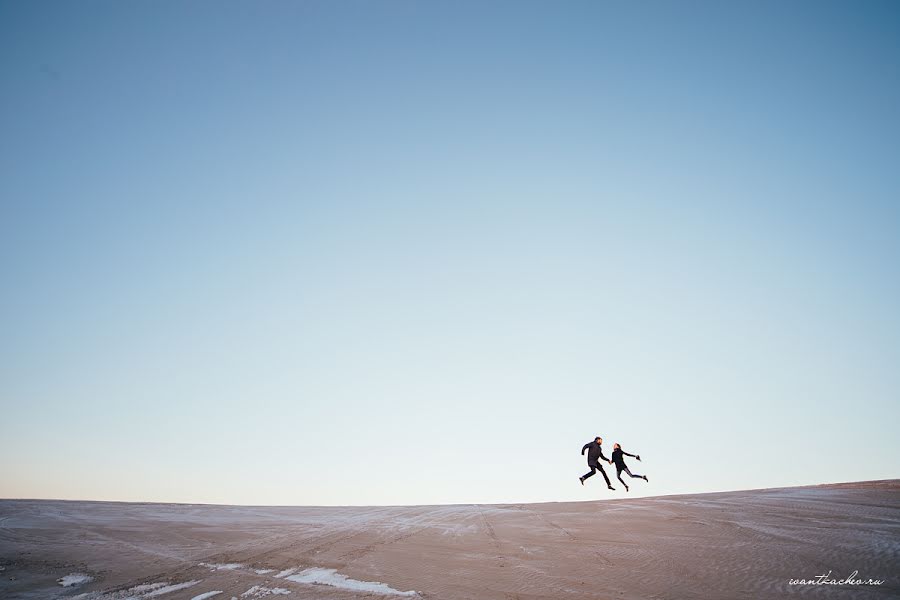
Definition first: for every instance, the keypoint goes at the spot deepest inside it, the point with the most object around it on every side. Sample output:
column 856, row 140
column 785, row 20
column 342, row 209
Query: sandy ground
column 726, row 545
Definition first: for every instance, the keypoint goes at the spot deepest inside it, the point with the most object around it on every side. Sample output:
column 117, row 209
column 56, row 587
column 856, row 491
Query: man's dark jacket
column 594, row 452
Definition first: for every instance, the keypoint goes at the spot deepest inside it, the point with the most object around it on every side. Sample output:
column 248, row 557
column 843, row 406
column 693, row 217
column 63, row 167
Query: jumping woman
column 619, row 459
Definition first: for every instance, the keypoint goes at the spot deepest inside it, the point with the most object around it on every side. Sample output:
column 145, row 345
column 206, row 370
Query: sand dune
column 727, row 545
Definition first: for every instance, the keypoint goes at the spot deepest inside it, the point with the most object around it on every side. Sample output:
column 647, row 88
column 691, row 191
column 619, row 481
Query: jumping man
column 620, row 464
column 595, row 452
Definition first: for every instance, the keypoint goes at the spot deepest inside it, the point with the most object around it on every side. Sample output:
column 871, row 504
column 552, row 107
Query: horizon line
column 789, row 487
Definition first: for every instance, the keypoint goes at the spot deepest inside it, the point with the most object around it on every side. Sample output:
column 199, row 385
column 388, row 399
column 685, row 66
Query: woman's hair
column 616, row 445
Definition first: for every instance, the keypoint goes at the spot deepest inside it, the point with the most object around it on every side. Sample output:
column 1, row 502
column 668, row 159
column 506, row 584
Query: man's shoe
column 645, row 479
column 581, row 479
column 611, row 487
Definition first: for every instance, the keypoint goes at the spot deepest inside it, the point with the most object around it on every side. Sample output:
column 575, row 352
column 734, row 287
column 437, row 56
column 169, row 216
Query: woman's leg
column 627, row 470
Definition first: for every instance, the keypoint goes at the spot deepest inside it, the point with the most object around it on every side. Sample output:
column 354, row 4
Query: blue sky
column 406, row 252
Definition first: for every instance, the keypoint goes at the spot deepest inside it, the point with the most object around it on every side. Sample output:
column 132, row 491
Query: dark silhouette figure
column 619, row 459
column 595, row 452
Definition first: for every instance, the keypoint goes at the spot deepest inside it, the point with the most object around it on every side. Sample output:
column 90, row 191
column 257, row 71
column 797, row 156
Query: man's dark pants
column 594, row 466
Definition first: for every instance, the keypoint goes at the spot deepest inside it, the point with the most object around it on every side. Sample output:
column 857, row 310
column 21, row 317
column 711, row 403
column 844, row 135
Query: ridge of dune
column 877, row 483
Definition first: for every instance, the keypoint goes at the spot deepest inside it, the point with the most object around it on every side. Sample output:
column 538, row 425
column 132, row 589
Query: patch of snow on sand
column 286, row 572
column 333, row 578
column 222, row 566
column 258, row 591
column 138, row 592
column 74, row 579
column 263, row 571
column 206, row 595
column 171, row 588
column 147, row 587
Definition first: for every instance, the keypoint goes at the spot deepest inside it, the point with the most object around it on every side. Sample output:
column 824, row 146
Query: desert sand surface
column 746, row 544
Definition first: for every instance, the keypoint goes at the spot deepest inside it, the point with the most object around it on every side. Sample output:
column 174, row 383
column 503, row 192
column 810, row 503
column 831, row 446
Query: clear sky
column 421, row 252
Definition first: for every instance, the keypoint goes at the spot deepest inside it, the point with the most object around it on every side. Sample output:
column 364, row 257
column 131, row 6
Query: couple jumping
column 595, row 452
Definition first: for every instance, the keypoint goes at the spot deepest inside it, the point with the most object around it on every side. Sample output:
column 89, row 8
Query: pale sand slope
column 726, row 545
